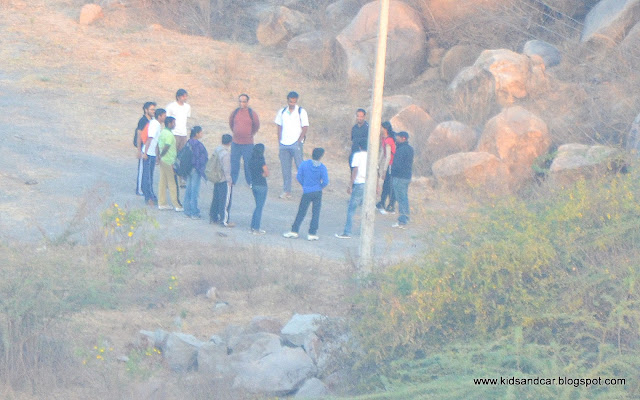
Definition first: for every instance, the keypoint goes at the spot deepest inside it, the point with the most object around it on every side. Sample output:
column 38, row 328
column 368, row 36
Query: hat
column 403, row 134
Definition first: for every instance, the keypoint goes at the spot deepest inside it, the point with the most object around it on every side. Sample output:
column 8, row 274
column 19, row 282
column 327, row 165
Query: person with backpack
column 218, row 171
column 168, row 178
column 199, row 160
column 259, row 174
column 388, row 145
column 149, row 156
column 292, row 123
column 313, row 177
column 139, row 137
column 244, row 123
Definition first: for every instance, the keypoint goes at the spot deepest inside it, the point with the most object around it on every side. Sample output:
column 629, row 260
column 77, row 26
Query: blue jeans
column 148, row 167
column 240, row 151
column 315, row 199
column 287, row 154
column 260, row 195
column 191, row 194
column 357, row 194
column 401, row 190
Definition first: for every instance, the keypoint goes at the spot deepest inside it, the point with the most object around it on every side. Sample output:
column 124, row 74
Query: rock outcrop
column 610, row 20
column 477, row 171
column 317, row 54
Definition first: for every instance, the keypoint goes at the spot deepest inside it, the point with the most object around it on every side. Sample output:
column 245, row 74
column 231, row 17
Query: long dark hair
column 387, row 125
column 258, row 151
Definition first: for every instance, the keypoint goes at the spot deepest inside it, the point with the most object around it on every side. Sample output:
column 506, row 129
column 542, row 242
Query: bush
column 562, row 267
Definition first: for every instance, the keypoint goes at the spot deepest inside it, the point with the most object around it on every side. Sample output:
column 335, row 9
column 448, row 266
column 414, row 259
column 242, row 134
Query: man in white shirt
column 356, row 188
column 181, row 111
column 292, row 124
column 149, row 153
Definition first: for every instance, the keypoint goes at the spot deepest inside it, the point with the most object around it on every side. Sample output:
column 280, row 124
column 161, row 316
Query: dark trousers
column 387, row 192
column 221, row 203
column 314, row 198
column 240, row 151
column 148, row 167
column 260, row 195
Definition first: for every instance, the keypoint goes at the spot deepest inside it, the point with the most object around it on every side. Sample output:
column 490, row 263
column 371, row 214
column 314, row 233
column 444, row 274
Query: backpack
column 144, row 135
column 213, row 170
column 233, row 117
column 184, row 161
column 299, row 113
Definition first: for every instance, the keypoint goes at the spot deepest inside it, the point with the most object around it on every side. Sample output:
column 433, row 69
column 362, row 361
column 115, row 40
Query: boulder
column 511, row 75
column 276, row 374
column 472, row 170
column 280, row 24
column 456, row 58
column 317, row 54
column 300, row 327
column 419, row 124
column 610, row 20
column 181, row 351
column 448, row 138
column 312, row 388
column 406, row 45
column 265, row 324
column 156, row 339
column 212, row 358
column 90, row 13
column 517, row 137
column 341, row 12
column 574, row 160
column 261, row 342
column 549, row 53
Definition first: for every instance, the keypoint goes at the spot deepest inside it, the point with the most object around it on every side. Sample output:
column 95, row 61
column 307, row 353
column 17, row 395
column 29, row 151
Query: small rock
column 31, row 182
column 212, row 293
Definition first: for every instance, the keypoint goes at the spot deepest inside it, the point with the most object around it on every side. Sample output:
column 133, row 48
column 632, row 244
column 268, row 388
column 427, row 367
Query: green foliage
column 561, row 267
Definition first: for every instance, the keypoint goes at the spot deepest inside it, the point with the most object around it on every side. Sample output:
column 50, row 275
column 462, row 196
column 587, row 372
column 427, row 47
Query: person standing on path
column 199, row 159
column 149, row 156
column 388, row 144
column 259, row 173
column 168, row 179
column 148, row 109
column 244, row 123
column 292, row 123
column 356, row 188
column 313, row 177
column 222, row 189
column 401, row 172
column 359, row 132
column 181, row 111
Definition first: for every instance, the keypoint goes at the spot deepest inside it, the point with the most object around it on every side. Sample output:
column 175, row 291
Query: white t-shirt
column 180, row 113
column 291, row 123
column 360, row 160
column 154, row 134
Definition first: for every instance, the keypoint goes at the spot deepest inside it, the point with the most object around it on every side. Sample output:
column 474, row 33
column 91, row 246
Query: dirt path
column 67, row 139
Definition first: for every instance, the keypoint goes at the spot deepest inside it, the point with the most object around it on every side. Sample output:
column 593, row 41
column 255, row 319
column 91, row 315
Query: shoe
column 228, row 224
column 285, row 196
column 166, row 207
column 258, row 231
column 195, row 217
column 391, row 210
column 140, row 194
column 290, row 235
column 312, row 237
column 382, row 211
column 151, row 203
column 399, row 225
column 343, row 236
column 179, row 209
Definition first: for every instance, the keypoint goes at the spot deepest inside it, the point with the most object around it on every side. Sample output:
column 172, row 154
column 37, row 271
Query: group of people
column 161, row 135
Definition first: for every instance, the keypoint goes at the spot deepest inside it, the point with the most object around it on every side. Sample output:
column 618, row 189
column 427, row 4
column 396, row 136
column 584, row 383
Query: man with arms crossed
column 244, row 124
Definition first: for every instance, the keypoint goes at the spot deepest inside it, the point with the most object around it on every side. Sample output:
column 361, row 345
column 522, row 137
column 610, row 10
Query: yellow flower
column 115, row 205
column 130, row 234
column 170, row 287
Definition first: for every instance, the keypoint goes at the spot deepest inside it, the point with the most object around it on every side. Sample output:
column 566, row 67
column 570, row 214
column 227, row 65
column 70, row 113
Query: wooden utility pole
column 369, row 203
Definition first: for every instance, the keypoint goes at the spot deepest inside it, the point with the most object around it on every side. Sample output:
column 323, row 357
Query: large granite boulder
column 448, row 138
column 517, row 137
column 476, row 171
column 300, row 327
column 181, row 351
column 456, row 59
column 406, row 44
column 90, row 13
column 549, row 53
column 610, row 20
column 317, row 54
column 313, row 388
column 276, row 374
column 391, row 105
column 419, row 124
column 341, row 12
column 574, row 160
column 280, row 24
